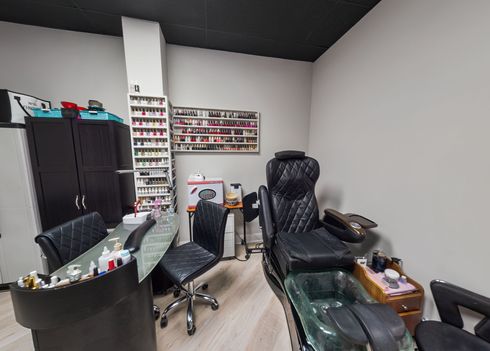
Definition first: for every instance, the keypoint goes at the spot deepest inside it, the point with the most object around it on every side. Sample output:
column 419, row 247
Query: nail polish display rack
column 212, row 130
column 150, row 121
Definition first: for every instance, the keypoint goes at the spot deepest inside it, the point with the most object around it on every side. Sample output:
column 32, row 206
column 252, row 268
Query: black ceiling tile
column 62, row 3
column 103, row 23
column 337, row 24
column 37, row 14
column 263, row 47
column 297, row 19
column 294, row 29
column 183, row 12
column 248, row 17
column 137, row 9
column 182, row 35
column 365, row 3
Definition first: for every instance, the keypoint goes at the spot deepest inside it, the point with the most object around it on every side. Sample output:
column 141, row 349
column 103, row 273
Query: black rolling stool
column 183, row 264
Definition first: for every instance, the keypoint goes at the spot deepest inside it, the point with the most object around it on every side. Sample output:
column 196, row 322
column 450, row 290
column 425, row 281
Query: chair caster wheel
column 156, row 312
column 163, row 322
column 214, row 307
column 192, row 330
column 177, row 293
column 205, row 286
column 247, row 256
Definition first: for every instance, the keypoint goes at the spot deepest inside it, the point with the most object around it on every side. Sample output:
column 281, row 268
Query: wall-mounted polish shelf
column 212, row 130
column 150, row 121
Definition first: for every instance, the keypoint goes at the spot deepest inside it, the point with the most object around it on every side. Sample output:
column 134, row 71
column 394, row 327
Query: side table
column 408, row 306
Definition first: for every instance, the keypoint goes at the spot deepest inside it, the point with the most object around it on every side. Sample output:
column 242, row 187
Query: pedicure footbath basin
column 312, row 293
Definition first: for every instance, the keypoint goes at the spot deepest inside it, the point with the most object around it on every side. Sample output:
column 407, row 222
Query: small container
column 74, row 273
column 92, row 269
column 49, row 113
column 125, row 256
column 104, row 260
column 379, row 261
column 111, row 264
column 54, row 280
column 117, row 245
column 34, row 275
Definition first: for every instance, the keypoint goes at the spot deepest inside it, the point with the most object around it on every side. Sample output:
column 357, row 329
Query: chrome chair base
column 191, row 294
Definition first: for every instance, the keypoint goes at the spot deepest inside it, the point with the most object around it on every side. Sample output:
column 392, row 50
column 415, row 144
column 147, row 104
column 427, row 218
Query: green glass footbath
column 312, row 293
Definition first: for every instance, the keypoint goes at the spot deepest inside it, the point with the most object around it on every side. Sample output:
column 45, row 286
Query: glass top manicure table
column 154, row 244
column 113, row 311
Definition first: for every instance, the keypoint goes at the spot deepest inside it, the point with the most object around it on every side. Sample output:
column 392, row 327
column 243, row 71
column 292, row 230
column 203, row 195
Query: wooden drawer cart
column 408, row 306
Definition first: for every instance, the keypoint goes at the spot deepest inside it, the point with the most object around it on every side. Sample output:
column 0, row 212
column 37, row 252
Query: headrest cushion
column 289, row 154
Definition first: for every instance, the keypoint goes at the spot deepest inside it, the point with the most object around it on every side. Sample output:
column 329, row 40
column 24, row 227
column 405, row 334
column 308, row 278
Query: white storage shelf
column 211, row 130
column 229, row 242
column 152, row 154
column 221, row 135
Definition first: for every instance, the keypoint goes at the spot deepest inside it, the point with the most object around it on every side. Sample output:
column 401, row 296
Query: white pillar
column 146, row 58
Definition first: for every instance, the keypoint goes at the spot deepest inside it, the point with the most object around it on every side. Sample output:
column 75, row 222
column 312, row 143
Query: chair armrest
column 448, row 297
column 347, row 227
column 265, row 217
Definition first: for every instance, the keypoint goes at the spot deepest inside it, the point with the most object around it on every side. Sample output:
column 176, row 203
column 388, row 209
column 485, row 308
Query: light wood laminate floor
column 250, row 317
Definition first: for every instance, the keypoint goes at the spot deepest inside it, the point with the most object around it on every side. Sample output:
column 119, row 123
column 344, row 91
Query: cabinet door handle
column 404, row 307
column 76, row 202
column 83, row 202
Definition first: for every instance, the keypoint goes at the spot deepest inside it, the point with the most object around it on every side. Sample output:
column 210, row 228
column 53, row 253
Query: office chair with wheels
column 69, row 240
column 183, row 264
column 448, row 335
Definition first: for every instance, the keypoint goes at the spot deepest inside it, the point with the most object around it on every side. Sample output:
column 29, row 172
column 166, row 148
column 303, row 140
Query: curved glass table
column 154, row 245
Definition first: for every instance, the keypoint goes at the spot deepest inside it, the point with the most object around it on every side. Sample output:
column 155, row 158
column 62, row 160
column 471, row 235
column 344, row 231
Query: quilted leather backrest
column 69, row 240
column 209, row 226
column 291, row 184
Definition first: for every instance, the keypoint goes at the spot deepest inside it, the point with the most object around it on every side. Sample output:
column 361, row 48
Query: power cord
column 239, row 259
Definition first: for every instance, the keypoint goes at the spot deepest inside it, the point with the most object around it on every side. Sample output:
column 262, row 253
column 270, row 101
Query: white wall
column 145, row 52
column 399, row 122
column 63, row 65
column 278, row 89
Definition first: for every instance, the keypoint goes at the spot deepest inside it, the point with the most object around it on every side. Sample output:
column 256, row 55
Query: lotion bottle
column 104, row 260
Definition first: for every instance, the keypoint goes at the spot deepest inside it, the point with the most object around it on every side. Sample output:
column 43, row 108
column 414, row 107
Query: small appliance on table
column 199, row 188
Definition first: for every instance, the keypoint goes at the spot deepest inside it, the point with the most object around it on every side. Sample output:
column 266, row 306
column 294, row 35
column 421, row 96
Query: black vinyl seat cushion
column 313, row 250
column 184, row 263
column 438, row 336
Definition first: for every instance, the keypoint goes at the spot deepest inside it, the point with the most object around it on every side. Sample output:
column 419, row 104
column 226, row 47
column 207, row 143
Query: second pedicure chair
column 308, row 265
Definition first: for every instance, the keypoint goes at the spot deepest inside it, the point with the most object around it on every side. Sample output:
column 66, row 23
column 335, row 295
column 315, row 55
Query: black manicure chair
column 183, row 264
column 293, row 232
column 448, row 334
column 296, row 241
column 69, row 240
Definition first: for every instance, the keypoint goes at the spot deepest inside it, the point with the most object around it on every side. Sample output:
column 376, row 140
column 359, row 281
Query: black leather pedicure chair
column 308, row 265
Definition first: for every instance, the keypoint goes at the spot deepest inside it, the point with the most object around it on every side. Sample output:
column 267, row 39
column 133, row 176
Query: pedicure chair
column 308, row 265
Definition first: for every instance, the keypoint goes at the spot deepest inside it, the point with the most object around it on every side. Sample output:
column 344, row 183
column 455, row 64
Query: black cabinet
column 74, row 164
